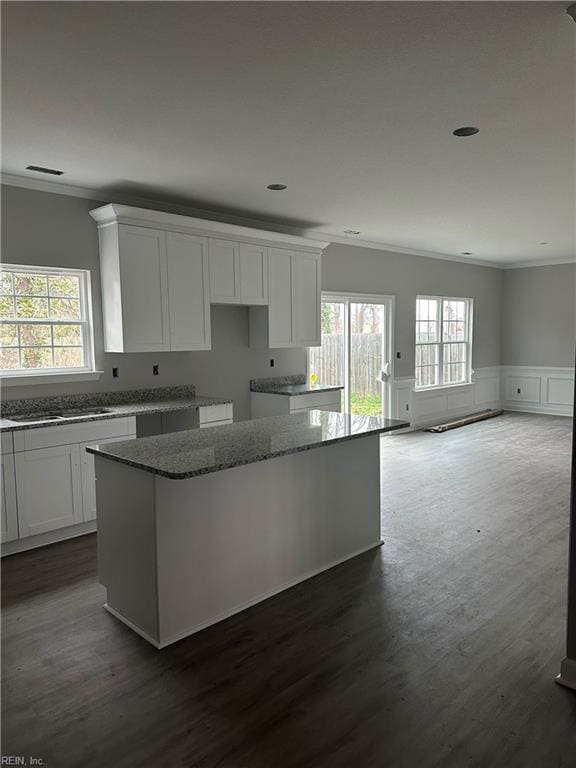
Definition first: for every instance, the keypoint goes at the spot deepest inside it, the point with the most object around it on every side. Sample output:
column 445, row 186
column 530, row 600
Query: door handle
column 385, row 373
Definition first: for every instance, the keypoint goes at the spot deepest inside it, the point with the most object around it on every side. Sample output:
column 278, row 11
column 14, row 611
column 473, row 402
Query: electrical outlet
column 272, row 363
column 155, row 370
column 518, row 391
column 398, row 355
column 115, row 373
column 407, row 406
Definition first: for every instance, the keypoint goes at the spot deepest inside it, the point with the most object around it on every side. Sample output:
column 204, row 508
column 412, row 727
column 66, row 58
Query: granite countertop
column 117, row 405
column 183, row 455
column 290, row 386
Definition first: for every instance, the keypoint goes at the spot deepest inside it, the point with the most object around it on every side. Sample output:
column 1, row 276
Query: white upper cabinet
column 154, row 290
column 238, row 273
column 143, row 290
column 187, row 257
column 224, row 272
column 306, row 299
column 161, row 271
column 292, row 318
column 253, row 261
column 280, row 314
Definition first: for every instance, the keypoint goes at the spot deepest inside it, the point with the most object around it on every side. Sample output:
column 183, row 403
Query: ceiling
column 350, row 104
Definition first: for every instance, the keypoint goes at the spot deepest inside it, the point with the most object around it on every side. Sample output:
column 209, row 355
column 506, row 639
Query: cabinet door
column 280, row 298
column 144, row 289
column 88, row 476
column 188, row 291
column 48, row 488
column 224, row 272
column 9, row 514
column 306, row 299
column 253, row 274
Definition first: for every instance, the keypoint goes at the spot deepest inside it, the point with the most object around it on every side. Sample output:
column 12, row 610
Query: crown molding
column 115, row 213
column 537, row 263
column 377, row 246
column 90, row 193
column 44, row 185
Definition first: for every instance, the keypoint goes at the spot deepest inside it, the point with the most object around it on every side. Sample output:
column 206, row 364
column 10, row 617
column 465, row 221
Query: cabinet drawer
column 67, row 434
column 316, row 400
column 211, row 413
column 7, row 442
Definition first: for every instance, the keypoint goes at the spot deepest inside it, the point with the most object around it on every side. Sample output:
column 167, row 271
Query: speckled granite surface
column 289, row 385
column 135, row 402
column 183, row 455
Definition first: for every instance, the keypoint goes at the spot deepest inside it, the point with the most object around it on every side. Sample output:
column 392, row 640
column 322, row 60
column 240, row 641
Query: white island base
column 176, row 556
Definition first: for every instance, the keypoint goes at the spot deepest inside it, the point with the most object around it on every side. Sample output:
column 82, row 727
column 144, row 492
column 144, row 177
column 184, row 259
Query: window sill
column 443, row 387
column 49, row 378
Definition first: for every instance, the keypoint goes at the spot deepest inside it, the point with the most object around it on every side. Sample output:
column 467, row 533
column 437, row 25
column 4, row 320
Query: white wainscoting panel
column 522, row 389
column 402, row 389
column 487, row 386
column 538, row 389
column 433, row 406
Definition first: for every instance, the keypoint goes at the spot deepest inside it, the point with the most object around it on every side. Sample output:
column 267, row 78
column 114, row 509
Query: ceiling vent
column 40, row 169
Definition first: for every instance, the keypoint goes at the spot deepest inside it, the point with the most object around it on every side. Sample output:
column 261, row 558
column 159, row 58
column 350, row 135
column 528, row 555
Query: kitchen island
column 198, row 525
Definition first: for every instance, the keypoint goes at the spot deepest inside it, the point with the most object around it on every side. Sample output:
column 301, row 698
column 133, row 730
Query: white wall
column 56, row 230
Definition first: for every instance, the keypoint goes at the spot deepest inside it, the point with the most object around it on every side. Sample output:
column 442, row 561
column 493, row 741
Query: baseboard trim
column 132, row 626
column 51, row 537
column 544, row 410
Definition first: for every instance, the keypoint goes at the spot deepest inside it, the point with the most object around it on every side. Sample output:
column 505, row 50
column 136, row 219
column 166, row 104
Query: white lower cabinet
column 266, row 404
column 214, row 415
column 48, row 488
column 9, row 512
column 48, row 479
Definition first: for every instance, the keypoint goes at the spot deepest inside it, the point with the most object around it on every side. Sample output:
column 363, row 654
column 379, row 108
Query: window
column 45, row 321
column 443, row 341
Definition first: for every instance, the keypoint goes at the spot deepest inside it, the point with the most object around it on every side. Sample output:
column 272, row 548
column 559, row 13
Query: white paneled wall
column 513, row 388
column 538, row 390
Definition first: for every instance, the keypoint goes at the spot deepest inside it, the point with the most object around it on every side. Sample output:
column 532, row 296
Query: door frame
column 389, row 303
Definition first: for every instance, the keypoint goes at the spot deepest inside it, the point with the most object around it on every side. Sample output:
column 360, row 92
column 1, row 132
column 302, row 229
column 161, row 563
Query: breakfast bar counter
column 198, row 525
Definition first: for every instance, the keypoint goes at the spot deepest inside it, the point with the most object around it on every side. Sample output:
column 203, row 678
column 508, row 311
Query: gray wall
column 363, row 270
column 56, row 230
column 539, row 316
column 537, row 327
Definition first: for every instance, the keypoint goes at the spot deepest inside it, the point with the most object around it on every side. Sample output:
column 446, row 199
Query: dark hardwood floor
column 437, row 650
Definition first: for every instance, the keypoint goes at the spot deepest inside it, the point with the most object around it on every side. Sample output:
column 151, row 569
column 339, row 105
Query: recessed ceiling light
column 352, row 232
column 467, row 253
column 276, row 187
column 40, row 169
column 467, row 130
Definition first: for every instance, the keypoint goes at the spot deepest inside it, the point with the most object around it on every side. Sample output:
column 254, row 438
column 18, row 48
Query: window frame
column 468, row 320
column 22, row 375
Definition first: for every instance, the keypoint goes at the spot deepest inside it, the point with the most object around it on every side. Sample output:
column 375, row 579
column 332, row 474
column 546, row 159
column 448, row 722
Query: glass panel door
column 366, row 359
column 356, row 336
column 326, row 364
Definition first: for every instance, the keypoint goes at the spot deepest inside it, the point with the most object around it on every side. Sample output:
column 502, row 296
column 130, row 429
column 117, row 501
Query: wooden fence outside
column 327, row 361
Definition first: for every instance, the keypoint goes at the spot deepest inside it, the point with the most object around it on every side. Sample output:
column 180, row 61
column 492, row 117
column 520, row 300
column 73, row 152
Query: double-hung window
column 45, row 321
column 443, row 341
